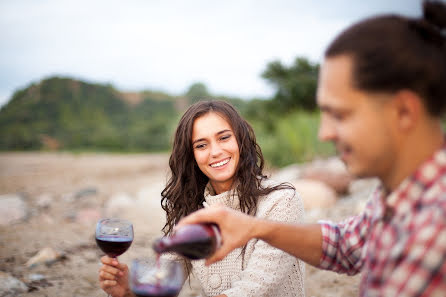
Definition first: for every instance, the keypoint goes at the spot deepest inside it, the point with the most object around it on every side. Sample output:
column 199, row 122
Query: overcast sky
column 168, row 45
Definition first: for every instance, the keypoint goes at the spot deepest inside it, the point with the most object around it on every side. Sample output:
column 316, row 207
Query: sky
column 168, row 45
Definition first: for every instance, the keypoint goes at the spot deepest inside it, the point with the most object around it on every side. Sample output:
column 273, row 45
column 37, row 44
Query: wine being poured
column 195, row 241
column 156, row 277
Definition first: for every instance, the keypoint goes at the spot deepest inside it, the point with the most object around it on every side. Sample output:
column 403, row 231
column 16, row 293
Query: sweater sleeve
column 268, row 268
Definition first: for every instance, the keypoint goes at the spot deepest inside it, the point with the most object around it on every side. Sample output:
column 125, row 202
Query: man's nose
column 327, row 130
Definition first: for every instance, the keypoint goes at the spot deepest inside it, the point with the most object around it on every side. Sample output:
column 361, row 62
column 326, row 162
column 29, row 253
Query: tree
column 295, row 85
column 197, row 91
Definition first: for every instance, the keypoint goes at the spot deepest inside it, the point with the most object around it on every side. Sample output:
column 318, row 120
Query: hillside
column 71, row 114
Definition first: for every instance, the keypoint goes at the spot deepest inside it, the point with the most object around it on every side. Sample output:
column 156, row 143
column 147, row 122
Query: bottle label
column 217, row 236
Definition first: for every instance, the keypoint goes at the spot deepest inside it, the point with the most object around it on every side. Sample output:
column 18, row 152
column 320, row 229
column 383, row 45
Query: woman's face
column 216, row 150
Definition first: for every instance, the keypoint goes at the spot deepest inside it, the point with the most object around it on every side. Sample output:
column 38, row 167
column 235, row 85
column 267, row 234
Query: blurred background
column 91, row 92
column 114, row 76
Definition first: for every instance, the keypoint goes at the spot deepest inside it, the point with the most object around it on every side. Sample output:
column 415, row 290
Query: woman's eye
column 200, row 146
column 225, row 137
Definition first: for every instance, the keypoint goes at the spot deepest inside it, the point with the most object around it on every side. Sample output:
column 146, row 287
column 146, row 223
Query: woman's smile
column 220, row 164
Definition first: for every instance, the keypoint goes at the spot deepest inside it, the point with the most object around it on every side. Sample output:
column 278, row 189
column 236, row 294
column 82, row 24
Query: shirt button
column 214, row 281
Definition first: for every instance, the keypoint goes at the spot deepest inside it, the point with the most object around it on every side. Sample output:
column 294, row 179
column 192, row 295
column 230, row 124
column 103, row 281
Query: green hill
column 71, row 114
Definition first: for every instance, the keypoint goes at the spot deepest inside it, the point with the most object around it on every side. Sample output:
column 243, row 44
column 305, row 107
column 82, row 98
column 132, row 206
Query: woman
column 216, row 160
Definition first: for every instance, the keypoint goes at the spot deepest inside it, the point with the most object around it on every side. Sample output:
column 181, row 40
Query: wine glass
column 114, row 236
column 156, row 277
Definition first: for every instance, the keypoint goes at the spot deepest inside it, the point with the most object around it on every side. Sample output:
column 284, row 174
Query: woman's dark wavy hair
column 391, row 53
column 184, row 192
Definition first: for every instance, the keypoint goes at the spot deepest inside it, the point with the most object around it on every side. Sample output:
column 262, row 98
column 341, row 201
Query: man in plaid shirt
column 382, row 92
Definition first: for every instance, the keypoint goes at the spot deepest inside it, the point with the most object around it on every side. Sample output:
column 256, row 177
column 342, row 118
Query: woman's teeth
column 219, row 164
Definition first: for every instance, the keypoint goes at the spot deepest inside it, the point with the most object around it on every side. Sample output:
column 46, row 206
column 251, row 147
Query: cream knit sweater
column 266, row 271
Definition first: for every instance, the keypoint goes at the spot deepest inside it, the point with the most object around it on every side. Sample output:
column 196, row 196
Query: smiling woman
column 216, row 160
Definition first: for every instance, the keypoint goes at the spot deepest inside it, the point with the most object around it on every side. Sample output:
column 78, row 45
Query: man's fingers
column 206, row 215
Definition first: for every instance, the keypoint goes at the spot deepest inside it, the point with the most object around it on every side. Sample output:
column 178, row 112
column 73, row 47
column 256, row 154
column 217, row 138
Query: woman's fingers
column 108, row 283
column 109, row 269
column 104, row 275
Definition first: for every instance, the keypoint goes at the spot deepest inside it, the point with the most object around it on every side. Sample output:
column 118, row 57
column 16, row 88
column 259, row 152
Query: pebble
column 12, row 209
column 45, row 256
column 315, row 194
column 10, row 286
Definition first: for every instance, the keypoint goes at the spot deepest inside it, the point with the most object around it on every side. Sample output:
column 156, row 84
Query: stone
column 85, row 192
column 10, row 286
column 88, row 216
column 12, row 209
column 119, row 205
column 330, row 171
column 45, row 256
column 33, row 277
column 288, row 173
column 44, row 201
column 315, row 194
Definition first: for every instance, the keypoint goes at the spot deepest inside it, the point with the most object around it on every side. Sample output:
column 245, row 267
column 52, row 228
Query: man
column 382, row 92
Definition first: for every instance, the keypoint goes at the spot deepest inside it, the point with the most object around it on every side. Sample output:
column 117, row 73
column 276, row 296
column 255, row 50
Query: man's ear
column 408, row 108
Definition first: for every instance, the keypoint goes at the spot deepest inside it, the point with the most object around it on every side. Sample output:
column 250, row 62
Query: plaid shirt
column 398, row 242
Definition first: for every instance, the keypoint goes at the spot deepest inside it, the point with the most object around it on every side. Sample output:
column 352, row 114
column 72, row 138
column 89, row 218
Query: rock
column 70, row 197
column 35, row 277
column 10, row 286
column 331, row 171
column 12, row 209
column 288, row 173
column 44, row 201
column 363, row 186
column 45, row 256
column 118, row 205
column 315, row 194
column 85, row 192
column 88, row 216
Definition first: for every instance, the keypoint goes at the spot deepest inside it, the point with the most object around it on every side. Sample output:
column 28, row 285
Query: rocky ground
column 50, row 202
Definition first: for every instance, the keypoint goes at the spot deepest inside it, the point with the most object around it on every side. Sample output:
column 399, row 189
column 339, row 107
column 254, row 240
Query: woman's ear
column 408, row 106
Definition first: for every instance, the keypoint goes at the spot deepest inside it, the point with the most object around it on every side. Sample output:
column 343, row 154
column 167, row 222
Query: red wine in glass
column 196, row 241
column 113, row 246
column 114, row 236
column 156, row 277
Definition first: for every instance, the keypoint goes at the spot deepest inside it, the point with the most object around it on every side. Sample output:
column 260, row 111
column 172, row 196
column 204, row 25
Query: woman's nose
column 215, row 149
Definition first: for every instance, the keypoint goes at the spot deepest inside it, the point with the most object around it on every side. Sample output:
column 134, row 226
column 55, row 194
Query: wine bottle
column 196, row 241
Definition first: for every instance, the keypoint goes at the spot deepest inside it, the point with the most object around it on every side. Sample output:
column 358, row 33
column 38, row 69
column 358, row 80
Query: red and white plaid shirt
column 398, row 242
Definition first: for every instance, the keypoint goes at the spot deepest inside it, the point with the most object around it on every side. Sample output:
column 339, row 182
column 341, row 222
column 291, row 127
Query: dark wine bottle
column 196, row 241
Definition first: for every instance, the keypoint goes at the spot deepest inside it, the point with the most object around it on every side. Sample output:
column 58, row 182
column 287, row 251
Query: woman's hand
column 113, row 277
column 236, row 228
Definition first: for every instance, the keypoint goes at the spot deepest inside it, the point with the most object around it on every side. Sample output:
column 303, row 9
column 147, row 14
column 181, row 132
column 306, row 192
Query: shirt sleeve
column 342, row 243
column 268, row 267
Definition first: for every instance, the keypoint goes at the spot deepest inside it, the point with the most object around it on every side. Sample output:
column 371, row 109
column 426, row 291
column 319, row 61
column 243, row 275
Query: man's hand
column 236, row 228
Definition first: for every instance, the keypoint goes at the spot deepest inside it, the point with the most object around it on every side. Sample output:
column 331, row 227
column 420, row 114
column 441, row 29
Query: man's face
column 360, row 124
